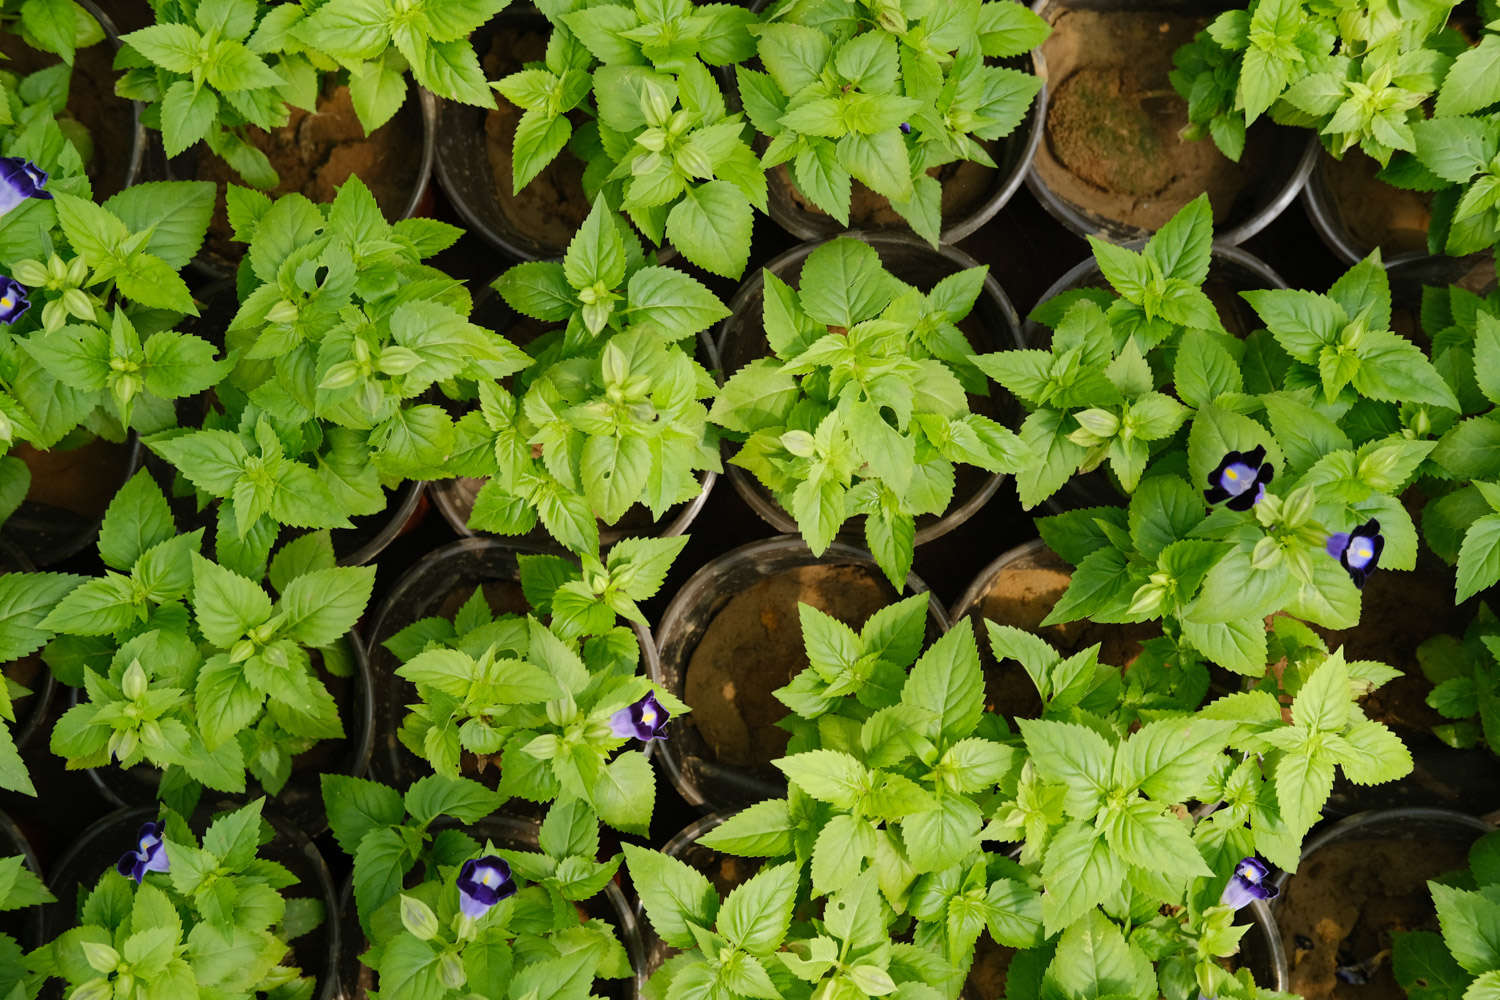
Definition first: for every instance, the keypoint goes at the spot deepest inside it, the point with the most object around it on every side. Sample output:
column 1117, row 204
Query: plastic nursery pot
column 731, row 635
column 70, row 490
column 438, row 585
column 100, row 847
column 513, row 834
column 992, row 326
column 301, row 798
column 29, row 671
column 314, row 153
column 474, row 153
column 1110, row 163
column 1358, row 881
column 455, row 497
column 972, row 193
column 23, row 925
column 1231, row 270
column 113, row 123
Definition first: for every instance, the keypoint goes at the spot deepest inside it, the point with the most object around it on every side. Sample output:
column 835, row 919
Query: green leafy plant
column 1464, row 961
column 862, row 408
column 193, row 667
column 58, row 26
column 342, row 342
column 608, row 415
column 217, row 918
column 1465, row 674
column 26, row 599
column 661, row 144
column 883, row 92
column 426, row 941
column 542, row 699
column 207, row 70
column 23, row 888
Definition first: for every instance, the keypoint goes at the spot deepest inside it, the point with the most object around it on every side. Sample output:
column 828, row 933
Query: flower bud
column 340, row 376
column 29, row 272
column 101, row 957
column 799, row 443
column 451, row 970
column 1267, row 554
column 418, row 919
column 284, row 311
column 135, row 681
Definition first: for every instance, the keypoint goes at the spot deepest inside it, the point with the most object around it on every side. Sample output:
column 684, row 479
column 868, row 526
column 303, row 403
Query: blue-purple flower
column 13, row 300
column 20, row 179
column 1247, row 884
column 906, row 128
column 1240, row 479
column 483, row 882
column 150, row 854
column 1358, row 551
column 645, row 720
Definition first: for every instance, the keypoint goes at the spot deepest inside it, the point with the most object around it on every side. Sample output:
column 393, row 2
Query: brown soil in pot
column 315, row 153
column 1112, row 143
column 1345, row 904
column 1375, row 213
column 1022, row 595
column 552, row 206
column 754, row 645
column 91, row 102
column 986, row 980
column 966, row 186
column 81, row 480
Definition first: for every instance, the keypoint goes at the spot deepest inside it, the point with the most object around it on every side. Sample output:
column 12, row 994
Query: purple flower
column 20, row 179
column 1248, row 883
column 483, row 882
column 645, row 720
column 13, row 300
column 1240, row 479
column 1358, row 551
column 150, row 854
column 906, row 128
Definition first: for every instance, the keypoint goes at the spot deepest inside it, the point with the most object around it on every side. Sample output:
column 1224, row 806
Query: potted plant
column 153, row 914
column 192, row 667
column 852, row 395
column 914, row 118
column 609, row 413
column 490, row 906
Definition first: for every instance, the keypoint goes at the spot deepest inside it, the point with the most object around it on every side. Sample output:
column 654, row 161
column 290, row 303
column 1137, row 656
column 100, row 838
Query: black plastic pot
column 1012, row 155
column 992, row 326
column 1411, row 830
column 1231, row 270
column 301, row 799
column 417, row 114
column 698, row 775
column 129, row 172
column 444, row 575
column 48, row 534
column 101, row 845
column 455, row 497
column 1290, row 153
column 513, row 834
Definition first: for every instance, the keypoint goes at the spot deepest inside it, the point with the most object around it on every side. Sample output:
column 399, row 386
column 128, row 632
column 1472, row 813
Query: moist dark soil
column 80, row 480
column 552, row 206
column 986, row 979
column 1112, row 143
column 315, row 153
column 754, row 645
column 1347, row 902
column 91, row 102
column 1375, row 213
column 1022, row 595
column 966, row 185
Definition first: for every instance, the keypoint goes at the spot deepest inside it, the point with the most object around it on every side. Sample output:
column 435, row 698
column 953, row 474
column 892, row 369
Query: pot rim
column 11, row 831
column 19, row 526
column 130, row 818
column 139, row 136
column 363, row 710
column 980, row 585
column 1374, row 818
column 693, row 593
column 1081, row 225
column 746, row 485
column 399, row 513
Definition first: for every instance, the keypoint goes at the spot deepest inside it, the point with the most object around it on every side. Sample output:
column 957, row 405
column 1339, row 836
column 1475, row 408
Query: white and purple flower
column 13, row 300
column 1239, row 481
column 483, row 882
column 20, row 179
column 1358, row 551
column 1247, row 884
column 150, row 854
column 646, row 720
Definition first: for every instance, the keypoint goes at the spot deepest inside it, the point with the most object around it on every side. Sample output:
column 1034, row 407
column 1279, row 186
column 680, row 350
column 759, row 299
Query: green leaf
column 1071, row 755
column 440, row 795
column 763, row 830
column 1473, row 81
column 225, row 604
column 830, row 776
column 711, row 226
column 596, row 254
column 675, row 896
column 1094, row 962
column 1479, row 557
column 947, row 684
column 137, row 519
column 625, row 793
column 1471, row 926
column 323, row 605
column 356, row 806
column 756, row 914
column 1078, row 871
